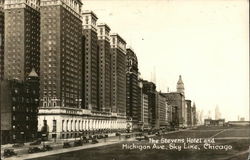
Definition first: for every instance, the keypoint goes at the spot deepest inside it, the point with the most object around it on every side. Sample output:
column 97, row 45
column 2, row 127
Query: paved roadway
column 221, row 134
column 22, row 152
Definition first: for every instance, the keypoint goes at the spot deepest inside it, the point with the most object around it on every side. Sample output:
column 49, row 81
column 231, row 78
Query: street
column 238, row 138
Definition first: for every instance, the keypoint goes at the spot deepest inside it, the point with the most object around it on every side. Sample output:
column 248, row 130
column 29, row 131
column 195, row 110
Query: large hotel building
column 104, row 68
column 1, row 39
column 118, row 69
column 61, row 76
column 76, row 77
column 69, row 73
column 132, row 88
column 61, row 65
column 90, row 92
column 22, row 38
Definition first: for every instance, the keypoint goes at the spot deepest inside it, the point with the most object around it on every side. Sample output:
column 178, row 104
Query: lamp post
column 43, row 138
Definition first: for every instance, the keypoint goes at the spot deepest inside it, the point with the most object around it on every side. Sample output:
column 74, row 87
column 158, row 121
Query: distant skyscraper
column 180, row 86
column 149, row 88
column 1, row 39
column 90, row 93
column 61, row 54
column 209, row 115
column 144, row 111
column 161, row 110
column 177, row 100
column 132, row 87
column 189, row 112
column 118, row 69
column 104, row 62
column 217, row 113
column 22, row 38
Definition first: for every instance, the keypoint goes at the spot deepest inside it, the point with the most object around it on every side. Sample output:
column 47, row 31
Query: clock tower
column 180, row 86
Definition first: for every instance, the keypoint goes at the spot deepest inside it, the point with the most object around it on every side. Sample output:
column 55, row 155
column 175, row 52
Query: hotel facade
column 88, row 79
column 69, row 104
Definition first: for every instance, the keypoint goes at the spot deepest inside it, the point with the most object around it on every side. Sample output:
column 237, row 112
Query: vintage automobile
column 9, row 153
column 117, row 134
column 100, row 136
column 46, row 148
column 94, row 141
column 66, row 145
column 127, row 136
column 139, row 137
column 34, row 150
column 78, row 143
column 37, row 142
column 16, row 145
column 85, row 140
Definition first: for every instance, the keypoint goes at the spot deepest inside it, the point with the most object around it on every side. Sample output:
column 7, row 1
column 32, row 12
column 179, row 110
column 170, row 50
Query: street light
column 43, row 138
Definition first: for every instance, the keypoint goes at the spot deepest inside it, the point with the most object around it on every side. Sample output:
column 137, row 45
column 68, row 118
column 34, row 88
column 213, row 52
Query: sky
column 207, row 42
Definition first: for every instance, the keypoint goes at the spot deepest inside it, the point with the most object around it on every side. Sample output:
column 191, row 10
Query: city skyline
column 202, row 45
column 159, row 79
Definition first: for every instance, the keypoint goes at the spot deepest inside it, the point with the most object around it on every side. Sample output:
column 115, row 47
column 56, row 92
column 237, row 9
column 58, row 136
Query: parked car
column 117, row 134
column 46, row 148
column 18, row 145
column 139, row 137
column 9, row 153
column 85, row 140
column 100, row 137
column 78, row 143
column 34, row 150
column 127, row 136
column 66, row 145
column 37, row 142
column 94, row 141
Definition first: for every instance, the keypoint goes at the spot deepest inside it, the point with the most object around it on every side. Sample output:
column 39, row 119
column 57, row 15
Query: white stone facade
column 65, row 122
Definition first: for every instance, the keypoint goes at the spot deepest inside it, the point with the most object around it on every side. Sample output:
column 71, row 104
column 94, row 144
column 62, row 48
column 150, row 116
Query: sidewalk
column 50, row 142
column 22, row 152
column 102, row 142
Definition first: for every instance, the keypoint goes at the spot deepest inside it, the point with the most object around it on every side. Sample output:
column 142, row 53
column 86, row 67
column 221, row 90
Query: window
column 71, row 125
column 79, row 126
column 62, row 125
column 87, row 20
column 44, row 122
column 75, row 124
column 67, row 125
column 54, row 126
column 101, row 31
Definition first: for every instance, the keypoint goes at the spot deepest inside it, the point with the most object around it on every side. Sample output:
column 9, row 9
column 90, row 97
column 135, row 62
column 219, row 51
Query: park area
column 237, row 137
